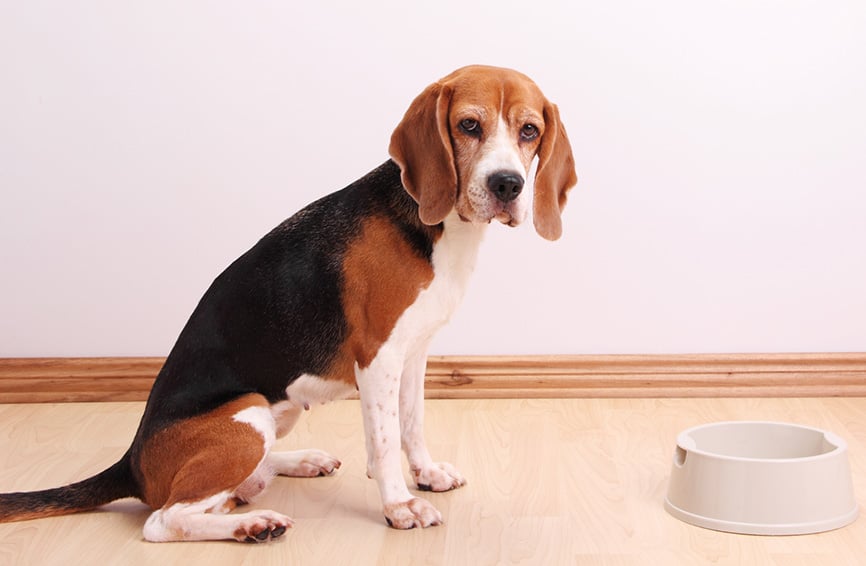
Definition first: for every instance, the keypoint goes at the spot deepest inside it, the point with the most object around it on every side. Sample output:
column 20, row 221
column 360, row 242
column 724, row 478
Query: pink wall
column 720, row 151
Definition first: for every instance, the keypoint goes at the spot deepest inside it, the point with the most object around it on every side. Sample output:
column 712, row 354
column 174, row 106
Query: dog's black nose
column 505, row 185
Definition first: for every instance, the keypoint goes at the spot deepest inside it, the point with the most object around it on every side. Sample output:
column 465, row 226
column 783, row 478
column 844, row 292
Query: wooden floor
column 576, row 481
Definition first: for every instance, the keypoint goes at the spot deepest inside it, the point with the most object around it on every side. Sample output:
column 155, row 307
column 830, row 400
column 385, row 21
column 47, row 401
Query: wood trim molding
column 58, row 380
column 52, row 380
column 703, row 375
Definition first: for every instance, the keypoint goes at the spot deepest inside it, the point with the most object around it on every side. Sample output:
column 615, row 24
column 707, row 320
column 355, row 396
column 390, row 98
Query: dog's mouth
column 507, row 218
column 504, row 215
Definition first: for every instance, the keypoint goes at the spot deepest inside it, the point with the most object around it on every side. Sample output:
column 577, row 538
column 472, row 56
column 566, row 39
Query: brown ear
column 421, row 146
column 554, row 177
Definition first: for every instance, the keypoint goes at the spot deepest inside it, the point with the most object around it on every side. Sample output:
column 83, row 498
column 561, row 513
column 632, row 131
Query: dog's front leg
column 428, row 475
column 379, row 388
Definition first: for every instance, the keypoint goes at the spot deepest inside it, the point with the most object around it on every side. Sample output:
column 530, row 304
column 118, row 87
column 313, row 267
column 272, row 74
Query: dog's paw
column 303, row 463
column 262, row 526
column 416, row 512
column 438, row 477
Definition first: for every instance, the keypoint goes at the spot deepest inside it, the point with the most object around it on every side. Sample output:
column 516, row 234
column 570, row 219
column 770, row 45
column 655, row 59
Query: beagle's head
column 467, row 142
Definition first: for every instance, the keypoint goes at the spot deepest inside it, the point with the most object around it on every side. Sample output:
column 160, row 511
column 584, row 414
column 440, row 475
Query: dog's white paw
column 416, row 512
column 303, row 463
column 438, row 477
column 261, row 526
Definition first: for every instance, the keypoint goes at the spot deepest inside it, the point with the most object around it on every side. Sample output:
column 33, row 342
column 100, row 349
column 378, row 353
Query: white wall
column 721, row 149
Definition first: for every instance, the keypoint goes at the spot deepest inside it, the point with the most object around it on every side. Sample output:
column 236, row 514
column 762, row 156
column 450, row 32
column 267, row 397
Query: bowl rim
column 686, row 442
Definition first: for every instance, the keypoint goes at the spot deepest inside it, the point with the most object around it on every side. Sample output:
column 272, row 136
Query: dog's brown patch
column 199, row 457
column 383, row 275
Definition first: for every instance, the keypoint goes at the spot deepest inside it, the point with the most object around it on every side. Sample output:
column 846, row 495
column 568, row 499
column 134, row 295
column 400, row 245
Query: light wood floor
column 578, row 481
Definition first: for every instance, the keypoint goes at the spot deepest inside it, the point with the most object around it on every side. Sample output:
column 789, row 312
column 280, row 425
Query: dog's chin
column 503, row 217
column 508, row 218
column 507, row 215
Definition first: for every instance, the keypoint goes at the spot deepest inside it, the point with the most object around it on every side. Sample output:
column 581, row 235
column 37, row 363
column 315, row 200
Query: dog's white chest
column 454, row 257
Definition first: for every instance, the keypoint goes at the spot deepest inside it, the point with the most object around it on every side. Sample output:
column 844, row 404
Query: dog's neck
column 454, row 257
column 455, row 242
column 462, row 241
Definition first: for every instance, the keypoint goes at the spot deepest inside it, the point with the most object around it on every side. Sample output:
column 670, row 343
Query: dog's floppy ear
column 554, row 177
column 421, row 146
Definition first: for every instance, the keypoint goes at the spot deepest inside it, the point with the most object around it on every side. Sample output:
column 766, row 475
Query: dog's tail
column 113, row 483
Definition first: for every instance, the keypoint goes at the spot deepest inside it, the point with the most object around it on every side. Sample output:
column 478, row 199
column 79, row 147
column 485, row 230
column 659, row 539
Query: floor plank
column 551, row 481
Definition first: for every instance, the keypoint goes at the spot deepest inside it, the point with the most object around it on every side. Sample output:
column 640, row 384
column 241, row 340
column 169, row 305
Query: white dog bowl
column 761, row 478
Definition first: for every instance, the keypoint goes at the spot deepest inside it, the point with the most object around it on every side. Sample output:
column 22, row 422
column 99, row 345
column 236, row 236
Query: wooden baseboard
column 52, row 380
column 704, row 375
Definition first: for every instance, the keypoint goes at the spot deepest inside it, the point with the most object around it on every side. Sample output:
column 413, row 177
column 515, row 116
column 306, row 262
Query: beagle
column 345, row 295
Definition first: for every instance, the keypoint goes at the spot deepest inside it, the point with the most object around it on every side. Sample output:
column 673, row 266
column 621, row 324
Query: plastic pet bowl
column 761, row 478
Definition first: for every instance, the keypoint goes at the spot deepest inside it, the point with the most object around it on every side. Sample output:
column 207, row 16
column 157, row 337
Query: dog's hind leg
column 299, row 463
column 286, row 416
column 196, row 471
column 303, row 463
column 204, row 520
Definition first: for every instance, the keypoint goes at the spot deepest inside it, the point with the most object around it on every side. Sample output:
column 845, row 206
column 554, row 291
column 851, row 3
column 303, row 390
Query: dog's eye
column 470, row 126
column 528, row 132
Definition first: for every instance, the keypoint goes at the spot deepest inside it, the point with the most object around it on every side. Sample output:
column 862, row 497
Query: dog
column 344, row 296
